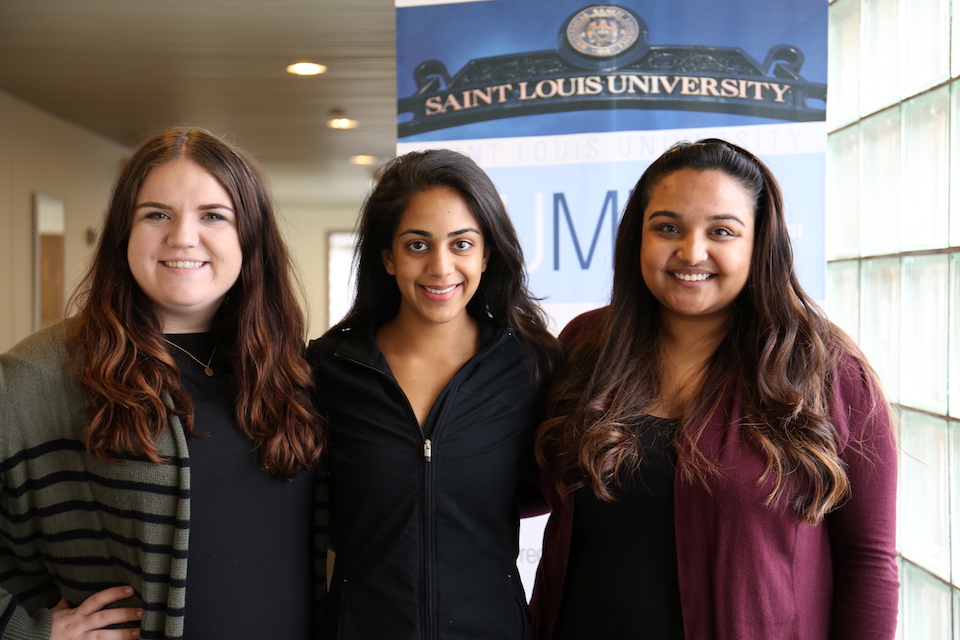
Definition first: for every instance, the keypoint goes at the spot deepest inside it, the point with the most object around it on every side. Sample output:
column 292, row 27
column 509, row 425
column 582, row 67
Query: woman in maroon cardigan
column 718, row 455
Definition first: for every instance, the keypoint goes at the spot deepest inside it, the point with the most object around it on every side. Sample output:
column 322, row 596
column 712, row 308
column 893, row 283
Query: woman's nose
column 183, row 233
column 693, row 249
column 441, row 263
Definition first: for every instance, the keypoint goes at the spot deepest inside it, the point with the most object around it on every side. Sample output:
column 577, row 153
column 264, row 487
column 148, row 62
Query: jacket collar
column 360, row 344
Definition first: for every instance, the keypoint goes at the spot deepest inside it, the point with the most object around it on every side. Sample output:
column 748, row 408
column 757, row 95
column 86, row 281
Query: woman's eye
column 155, row 215
column 462, row 245
column 667, row 228
column 418, row 245
column 723, row 231
column 214, row 216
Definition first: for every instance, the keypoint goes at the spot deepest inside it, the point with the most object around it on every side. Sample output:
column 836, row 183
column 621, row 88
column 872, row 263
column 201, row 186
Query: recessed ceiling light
column 339, row 120
column 342, row 123
column 306, row 69
column 363, row 160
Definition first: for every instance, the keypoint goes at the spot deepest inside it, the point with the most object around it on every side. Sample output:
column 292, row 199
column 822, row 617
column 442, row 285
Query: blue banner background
column 557, row 171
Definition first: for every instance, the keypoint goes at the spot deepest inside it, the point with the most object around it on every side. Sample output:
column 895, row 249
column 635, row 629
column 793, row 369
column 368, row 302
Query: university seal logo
column 603, row 31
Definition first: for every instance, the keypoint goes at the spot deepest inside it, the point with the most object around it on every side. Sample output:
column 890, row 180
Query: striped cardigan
column 71, row 525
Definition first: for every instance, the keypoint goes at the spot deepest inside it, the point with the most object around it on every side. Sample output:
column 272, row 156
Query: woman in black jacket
column 431, row 387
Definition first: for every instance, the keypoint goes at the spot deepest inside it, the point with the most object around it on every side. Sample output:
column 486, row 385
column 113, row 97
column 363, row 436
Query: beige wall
column 40, row 152
column 306, row 228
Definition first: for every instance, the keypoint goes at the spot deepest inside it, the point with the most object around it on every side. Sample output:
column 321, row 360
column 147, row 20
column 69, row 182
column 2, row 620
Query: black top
column 249, row 569
column 622, row 577
column 426, row 536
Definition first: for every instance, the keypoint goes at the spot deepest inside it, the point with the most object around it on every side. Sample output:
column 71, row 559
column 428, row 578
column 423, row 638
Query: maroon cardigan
column 752, row 572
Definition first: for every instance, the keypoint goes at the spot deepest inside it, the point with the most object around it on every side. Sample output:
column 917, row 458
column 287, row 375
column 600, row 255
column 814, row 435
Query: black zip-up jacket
column 425, row 522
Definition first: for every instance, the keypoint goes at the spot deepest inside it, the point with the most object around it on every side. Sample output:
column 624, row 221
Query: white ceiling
column 127, row 68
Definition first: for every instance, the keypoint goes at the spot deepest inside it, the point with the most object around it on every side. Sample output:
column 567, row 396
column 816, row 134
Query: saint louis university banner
column 565, row 103
column 605, row 60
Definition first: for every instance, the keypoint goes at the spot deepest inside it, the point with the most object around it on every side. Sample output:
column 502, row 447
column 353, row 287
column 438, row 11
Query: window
column 893, row 250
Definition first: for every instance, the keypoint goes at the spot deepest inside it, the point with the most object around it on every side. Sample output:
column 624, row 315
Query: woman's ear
column 486, row 258
column 387, row 256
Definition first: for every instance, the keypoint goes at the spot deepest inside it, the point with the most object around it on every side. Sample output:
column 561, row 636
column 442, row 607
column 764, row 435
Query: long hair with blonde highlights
column 116, row 339
column 778, row 355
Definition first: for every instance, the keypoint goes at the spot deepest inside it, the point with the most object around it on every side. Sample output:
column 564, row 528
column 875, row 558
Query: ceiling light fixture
column 306, row 69
column 363, row 160
column 338, row 120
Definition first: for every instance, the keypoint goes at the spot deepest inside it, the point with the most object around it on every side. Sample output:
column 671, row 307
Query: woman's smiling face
column 437, row 257
column 184, row 247
column 697, row 243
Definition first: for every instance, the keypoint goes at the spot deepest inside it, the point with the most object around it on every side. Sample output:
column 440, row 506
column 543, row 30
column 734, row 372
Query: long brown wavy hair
column 778, row 354
column 503, row 293
column 116, row 339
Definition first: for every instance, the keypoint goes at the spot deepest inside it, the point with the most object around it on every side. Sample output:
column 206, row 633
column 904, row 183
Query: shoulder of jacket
column 43, row 345
column 328, row 342
column 582, row 324
column 38, row 359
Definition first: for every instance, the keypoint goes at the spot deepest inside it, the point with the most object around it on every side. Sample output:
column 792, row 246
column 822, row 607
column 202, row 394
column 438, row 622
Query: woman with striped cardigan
column 168, row 423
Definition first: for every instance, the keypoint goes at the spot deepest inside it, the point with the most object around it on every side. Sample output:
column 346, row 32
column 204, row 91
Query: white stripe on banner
column 626, row 146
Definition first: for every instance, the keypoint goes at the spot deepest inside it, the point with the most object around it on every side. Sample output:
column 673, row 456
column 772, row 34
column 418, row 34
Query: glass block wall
column 893, row 276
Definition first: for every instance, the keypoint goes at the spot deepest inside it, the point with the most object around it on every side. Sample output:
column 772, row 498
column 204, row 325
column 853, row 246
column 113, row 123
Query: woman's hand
column 89, row 619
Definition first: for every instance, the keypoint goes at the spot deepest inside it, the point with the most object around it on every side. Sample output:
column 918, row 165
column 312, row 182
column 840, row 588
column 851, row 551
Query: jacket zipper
column 428, row 605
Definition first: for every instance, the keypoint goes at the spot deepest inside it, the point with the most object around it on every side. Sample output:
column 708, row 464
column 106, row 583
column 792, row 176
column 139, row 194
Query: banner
column 565, row 103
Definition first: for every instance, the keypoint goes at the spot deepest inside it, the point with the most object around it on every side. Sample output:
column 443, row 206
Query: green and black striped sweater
column 71, row 525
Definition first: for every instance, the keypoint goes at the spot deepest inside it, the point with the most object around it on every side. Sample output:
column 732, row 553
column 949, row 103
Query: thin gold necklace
column 206, row 367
